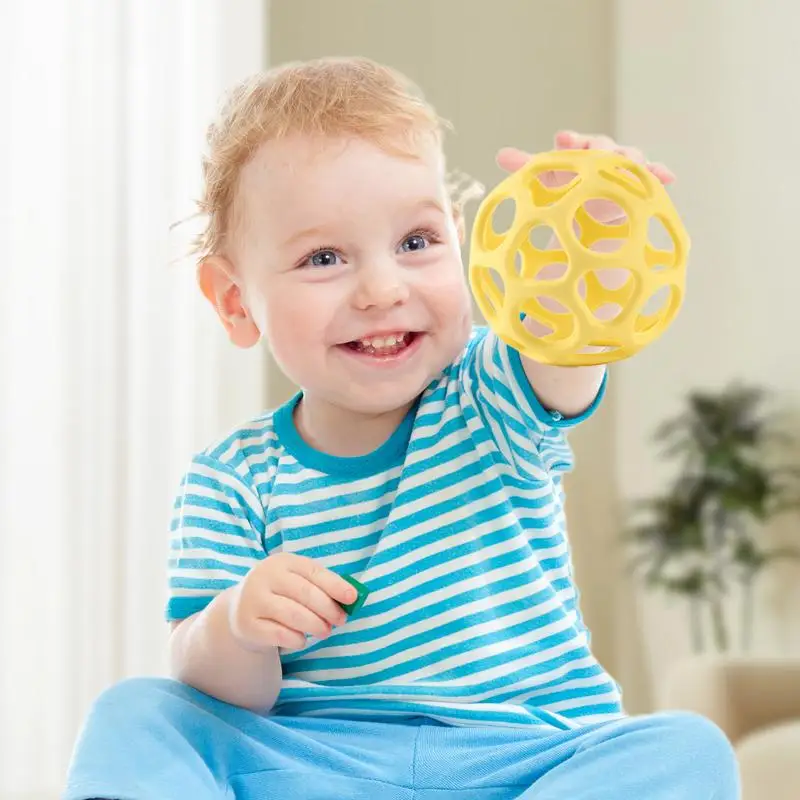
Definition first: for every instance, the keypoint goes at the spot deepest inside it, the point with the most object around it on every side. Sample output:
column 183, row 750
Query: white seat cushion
column 769, row 759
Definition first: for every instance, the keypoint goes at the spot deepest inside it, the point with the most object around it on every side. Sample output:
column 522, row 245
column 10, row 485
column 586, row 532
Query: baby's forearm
column 571, row 390
column 205, row 654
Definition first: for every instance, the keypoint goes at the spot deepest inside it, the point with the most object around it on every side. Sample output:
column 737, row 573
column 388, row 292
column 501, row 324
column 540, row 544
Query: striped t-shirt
column 456, row 524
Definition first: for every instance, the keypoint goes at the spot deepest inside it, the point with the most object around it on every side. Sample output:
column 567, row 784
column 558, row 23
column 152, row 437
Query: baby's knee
column 695, row 740
column 693, row 731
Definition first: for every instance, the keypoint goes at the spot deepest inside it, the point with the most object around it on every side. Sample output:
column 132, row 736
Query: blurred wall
column 504, row 73
column 705, row 86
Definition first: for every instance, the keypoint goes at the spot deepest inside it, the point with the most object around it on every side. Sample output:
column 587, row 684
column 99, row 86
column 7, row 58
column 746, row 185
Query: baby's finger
column 273, row 634
column 602, row 143
column 317, row 588
column 570, row 140
column 511, row 159
column 300, row 590
column 327, row 580
column 296, row 616
column 663, row 173
column 333, row 585
column 632, row 154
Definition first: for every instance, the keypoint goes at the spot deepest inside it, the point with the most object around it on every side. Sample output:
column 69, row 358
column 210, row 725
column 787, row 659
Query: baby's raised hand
column 604, row 211
column 512, row 159
column 283, row 598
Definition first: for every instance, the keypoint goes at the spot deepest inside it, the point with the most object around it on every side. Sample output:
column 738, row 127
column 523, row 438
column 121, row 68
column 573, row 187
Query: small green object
column 363, row 591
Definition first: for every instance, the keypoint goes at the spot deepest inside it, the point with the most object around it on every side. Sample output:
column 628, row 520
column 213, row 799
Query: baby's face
column 352, row 269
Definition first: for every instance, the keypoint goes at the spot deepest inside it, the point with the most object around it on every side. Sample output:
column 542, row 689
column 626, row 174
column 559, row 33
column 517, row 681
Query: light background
column 96, row 341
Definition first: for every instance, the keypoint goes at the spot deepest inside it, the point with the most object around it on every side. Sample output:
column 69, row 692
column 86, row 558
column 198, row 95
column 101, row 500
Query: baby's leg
column 161, row 740
column 675, row 756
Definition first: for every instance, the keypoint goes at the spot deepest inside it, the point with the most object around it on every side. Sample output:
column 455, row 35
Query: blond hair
column 329, row 97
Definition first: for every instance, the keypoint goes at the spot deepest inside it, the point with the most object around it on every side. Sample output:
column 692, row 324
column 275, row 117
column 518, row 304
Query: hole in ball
column 612, row 278
column 607, row 245
column 535, row 327
column 497, row 280
column 658, row 235
column 489, row 289
column 548, row 186
column 607, row 311
column 552, row 272
column 607, row 212
column 503, row 216
column 657, row 302
column 606, row 292
column 543, row 237
column 535, row 321
column 631, row 180
column 527, row 267
column 551, row 304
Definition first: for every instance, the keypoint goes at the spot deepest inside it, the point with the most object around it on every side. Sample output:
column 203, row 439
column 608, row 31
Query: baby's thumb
column 511, row 159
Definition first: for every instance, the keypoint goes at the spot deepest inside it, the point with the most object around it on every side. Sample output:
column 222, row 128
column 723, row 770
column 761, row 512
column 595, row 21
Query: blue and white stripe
column 456, row 524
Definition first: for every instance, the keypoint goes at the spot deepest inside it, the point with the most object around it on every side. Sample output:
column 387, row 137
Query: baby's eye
column 323, row 258
column 417, row 241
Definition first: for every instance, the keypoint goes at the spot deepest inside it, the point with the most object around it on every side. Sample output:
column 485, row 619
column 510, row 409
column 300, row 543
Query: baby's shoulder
column 248, row 451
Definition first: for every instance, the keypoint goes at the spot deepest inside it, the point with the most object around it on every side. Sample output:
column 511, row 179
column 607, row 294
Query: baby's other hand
column 512, row 159
column 284, row 598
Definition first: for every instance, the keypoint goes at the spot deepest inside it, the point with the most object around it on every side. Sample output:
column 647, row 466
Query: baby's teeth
column 379, row 342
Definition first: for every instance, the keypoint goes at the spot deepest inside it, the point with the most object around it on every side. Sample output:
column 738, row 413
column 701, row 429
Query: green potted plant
column 704, row 535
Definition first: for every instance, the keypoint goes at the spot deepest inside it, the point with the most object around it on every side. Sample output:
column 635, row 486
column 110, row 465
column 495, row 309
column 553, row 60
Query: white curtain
column 112, row 367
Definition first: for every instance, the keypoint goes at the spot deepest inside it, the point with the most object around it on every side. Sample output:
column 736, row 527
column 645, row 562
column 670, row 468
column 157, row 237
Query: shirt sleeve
column 217, row 535
column 495, row 383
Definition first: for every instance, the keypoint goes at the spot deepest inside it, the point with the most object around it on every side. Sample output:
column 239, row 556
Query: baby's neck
column 341, row 432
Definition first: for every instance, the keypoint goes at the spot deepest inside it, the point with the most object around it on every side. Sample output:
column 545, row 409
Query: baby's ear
column 217, row 280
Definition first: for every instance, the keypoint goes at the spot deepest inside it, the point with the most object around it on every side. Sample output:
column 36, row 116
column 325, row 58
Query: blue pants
column 150, row 739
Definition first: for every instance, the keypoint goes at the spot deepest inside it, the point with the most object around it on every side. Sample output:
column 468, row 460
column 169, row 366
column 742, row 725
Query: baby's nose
column 381, row 287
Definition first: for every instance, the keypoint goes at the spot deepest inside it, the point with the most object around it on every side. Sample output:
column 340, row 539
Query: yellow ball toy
column 589, row 298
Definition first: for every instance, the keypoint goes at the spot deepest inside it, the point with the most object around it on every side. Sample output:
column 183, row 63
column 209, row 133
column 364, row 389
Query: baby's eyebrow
column 320, row 231
column 429, row 202
column 307, row 233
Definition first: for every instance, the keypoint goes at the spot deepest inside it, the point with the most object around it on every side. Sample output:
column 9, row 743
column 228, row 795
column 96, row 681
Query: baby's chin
column 384, row 399
column 383, row 403
column 390, row 392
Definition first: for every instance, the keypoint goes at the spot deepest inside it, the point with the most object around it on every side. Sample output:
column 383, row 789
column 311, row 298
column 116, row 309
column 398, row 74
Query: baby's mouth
column 388, row 345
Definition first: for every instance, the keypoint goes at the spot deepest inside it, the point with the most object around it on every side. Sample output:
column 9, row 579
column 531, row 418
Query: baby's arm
column 234, row 597
column 229, row 650
column 217, row 540
column 567, row 390
column 570, row 390
column 204, row 653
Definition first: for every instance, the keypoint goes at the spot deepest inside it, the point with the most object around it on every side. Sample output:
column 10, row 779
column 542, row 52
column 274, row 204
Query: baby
column 421, row 456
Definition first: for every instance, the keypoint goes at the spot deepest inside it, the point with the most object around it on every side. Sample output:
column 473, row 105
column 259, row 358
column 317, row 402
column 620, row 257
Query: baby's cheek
column 285, row 326
column 460, row 300
column 457, row 308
